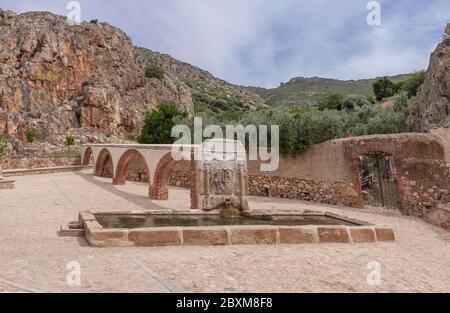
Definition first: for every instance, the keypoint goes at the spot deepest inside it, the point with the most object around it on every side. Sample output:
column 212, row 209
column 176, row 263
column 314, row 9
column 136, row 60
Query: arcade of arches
column 133, row 162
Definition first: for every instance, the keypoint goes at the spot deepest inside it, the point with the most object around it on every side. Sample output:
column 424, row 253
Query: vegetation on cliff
column 3, row 145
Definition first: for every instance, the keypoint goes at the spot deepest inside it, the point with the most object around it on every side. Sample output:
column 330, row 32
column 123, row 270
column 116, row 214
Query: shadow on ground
column 143, row 202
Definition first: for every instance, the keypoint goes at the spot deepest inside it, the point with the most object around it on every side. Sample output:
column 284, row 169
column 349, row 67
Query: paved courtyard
column 33, row 258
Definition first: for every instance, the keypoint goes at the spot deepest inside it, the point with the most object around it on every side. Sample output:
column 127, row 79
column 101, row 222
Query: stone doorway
column 378, row 177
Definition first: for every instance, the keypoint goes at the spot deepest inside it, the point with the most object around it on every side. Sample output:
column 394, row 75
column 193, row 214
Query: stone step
column 7, row 184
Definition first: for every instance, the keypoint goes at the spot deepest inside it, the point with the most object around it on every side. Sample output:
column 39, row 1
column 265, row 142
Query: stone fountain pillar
column 222, row 177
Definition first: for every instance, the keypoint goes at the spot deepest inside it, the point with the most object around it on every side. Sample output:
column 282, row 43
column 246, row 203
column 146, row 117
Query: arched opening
column 88, row 158
column 159, row 189
column 378, row 179
column 133, row 167
column 104, row 165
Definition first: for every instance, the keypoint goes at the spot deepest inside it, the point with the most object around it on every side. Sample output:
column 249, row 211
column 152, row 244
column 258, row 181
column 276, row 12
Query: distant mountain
column 301, row 91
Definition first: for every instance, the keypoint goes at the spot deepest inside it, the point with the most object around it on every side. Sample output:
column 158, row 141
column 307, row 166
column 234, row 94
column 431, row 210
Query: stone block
column 205, row 236
column 361, row 235
column 253, row 235
column 155, row 237
column 298, row 234
column 104, row 235
column 333, row 235
column 385, row 234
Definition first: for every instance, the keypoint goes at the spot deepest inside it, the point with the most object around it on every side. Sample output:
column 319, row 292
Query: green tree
column 154, row 71
column 334, row 101
column 158, row 124
column 384, row 88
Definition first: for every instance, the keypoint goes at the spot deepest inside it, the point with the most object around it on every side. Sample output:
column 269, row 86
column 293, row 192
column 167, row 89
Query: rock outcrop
column 431, row 109
column 56, row 78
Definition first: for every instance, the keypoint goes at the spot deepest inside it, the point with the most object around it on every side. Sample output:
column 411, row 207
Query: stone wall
column 38, row 162
column 181, row 178
column 339, row 193
column 136, row 170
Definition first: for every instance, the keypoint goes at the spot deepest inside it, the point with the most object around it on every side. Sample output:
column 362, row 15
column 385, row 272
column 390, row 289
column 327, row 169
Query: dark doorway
column 379, row 183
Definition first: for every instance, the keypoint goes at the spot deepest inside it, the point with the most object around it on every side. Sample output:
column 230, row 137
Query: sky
column 265, row 42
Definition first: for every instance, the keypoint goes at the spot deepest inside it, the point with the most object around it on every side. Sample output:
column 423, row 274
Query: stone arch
column 159, row 189
column 124, row 162
column 101, row 162
column 87, row 157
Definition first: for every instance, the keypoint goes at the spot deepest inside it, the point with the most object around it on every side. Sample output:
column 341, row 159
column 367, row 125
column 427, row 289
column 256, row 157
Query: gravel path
column 34, row 258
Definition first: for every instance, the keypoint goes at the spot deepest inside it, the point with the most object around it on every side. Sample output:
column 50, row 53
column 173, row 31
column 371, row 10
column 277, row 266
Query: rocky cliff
column 87, row 80
column 431, row 109
column 56, row 78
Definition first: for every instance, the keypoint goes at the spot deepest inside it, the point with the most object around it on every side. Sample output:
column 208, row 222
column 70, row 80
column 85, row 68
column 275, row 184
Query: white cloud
column 263, row 42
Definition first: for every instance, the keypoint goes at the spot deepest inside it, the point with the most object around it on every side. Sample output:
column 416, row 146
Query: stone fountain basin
column 111, row 229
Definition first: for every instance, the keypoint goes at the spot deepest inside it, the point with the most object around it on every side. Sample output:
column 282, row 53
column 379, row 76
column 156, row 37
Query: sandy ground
column 33, row 258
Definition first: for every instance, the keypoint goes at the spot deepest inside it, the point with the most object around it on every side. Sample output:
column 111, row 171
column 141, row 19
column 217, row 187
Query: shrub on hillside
column 401, row 102
column 310, row 128
column 154, row 71
column 3, row 145
column 70, row 141
column 370, row 120
column 219, row 104
column 353, row 101
column 334, row 101
column 31, row 135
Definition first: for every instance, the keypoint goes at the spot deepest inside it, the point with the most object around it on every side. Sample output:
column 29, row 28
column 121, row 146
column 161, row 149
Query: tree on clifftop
column 158, row 124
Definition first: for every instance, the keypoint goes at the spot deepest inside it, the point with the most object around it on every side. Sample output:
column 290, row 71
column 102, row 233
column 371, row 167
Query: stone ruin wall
column 38, row 162
column 423, row 174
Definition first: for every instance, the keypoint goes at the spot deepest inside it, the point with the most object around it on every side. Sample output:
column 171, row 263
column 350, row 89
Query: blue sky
column 264, row 42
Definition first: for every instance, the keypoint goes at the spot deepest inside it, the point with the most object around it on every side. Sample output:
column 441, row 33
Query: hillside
column 204, row 86
column 302, row 91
